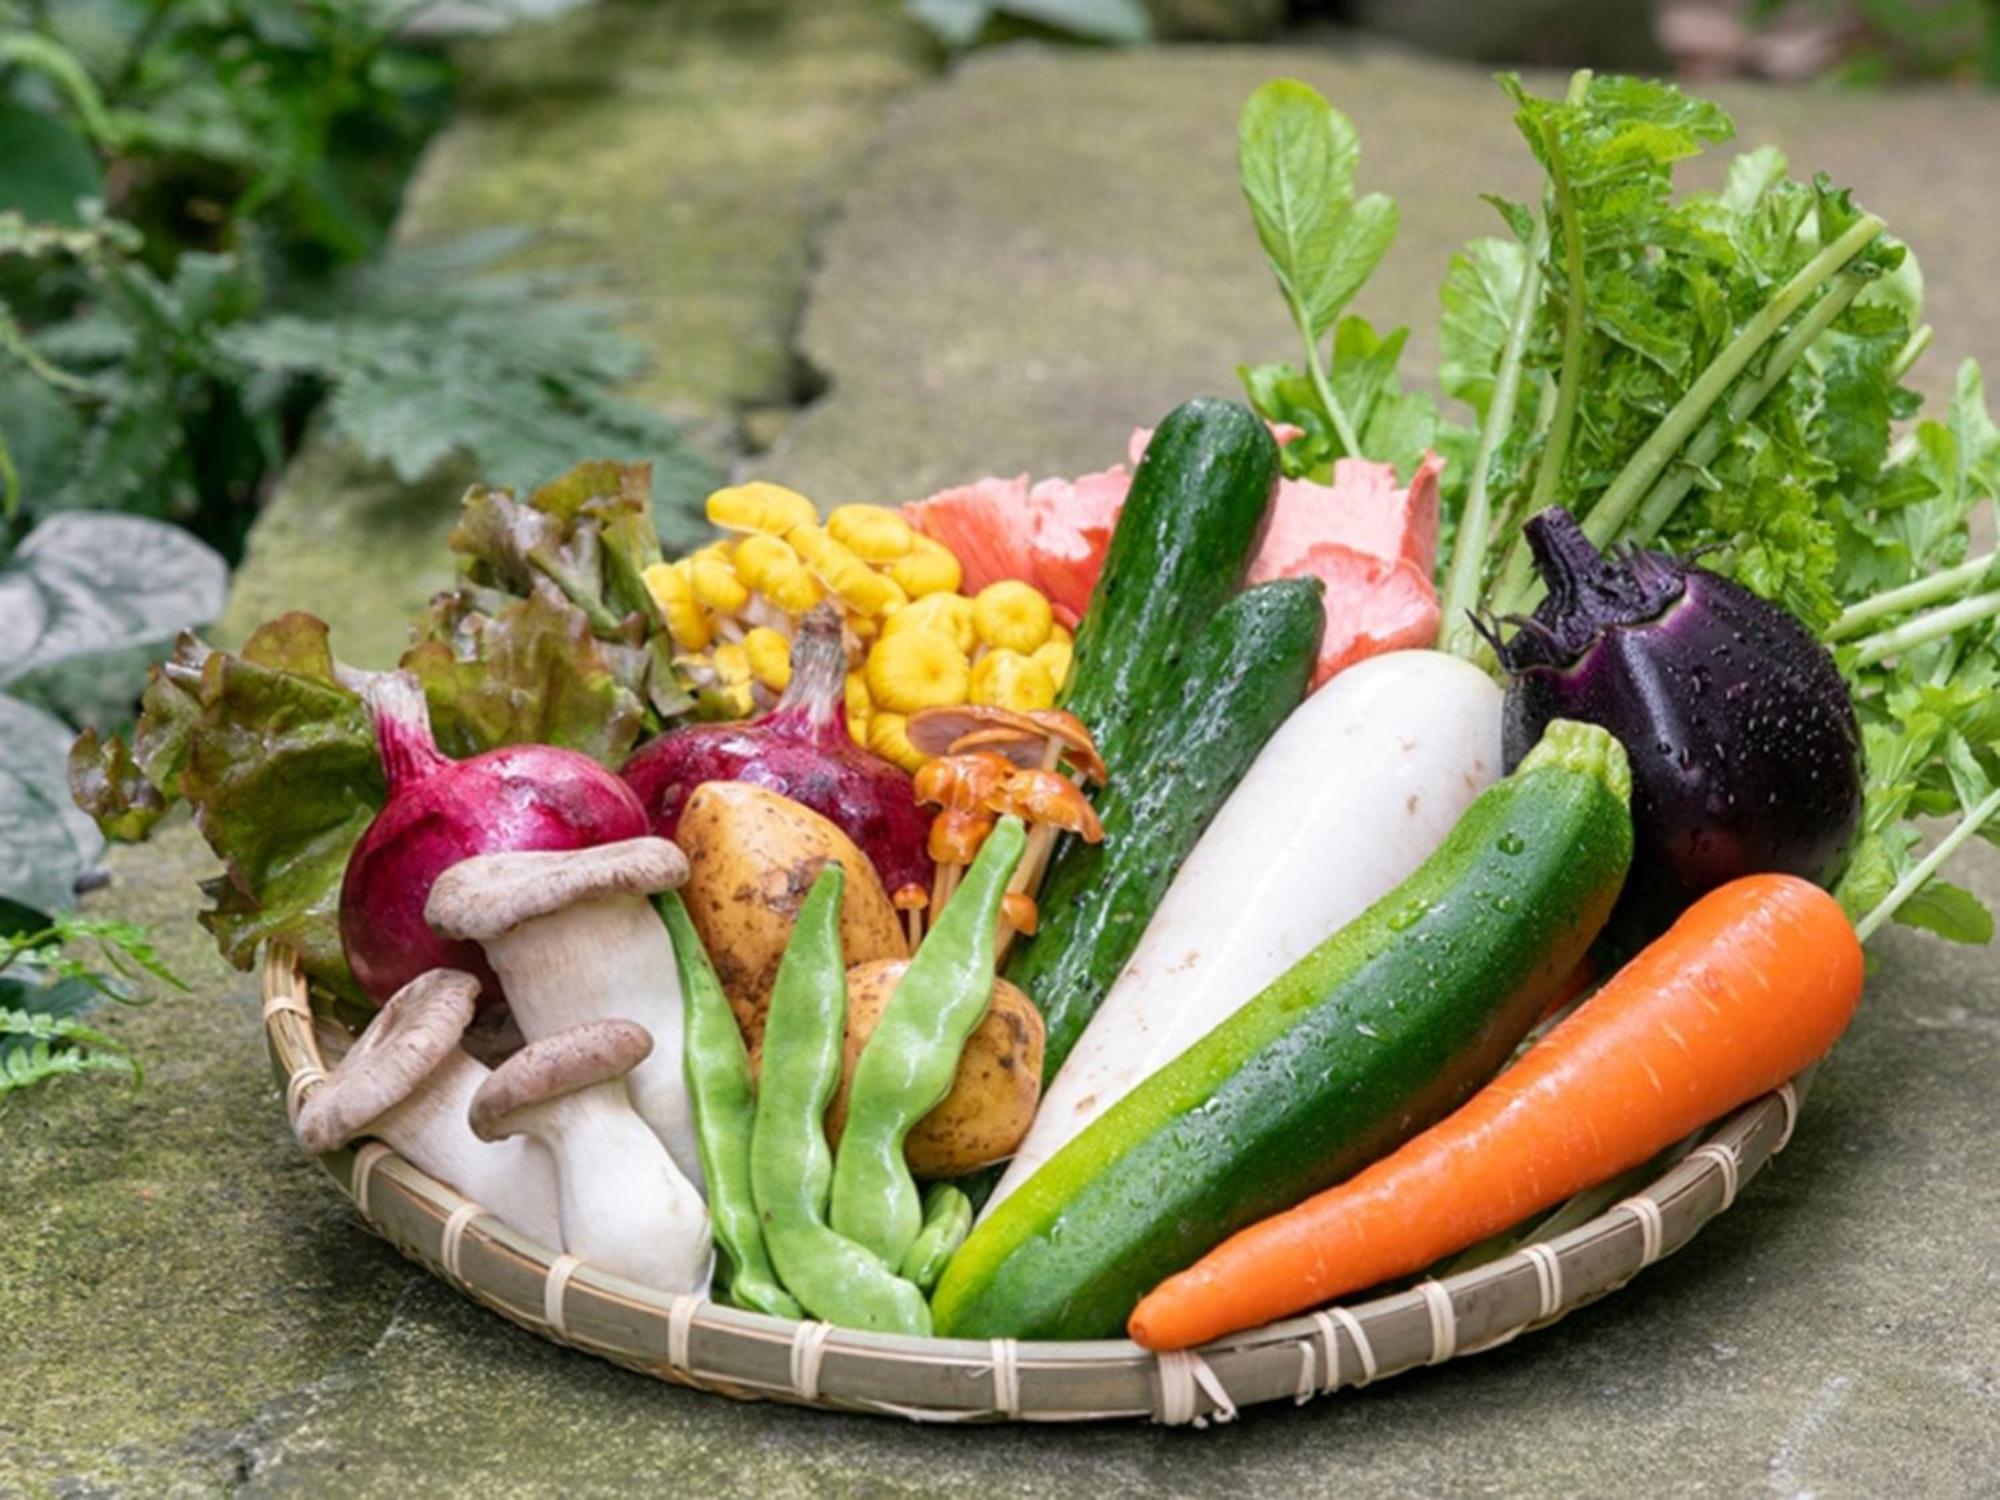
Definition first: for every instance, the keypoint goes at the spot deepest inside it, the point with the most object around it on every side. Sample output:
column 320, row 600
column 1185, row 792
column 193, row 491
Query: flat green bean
column 907, row 1067
column 791, row 1169
column 724, row 1103
column 947, row 1221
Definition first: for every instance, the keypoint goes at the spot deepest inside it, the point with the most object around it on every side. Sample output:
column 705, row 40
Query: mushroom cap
column 1024, row 738
column 492, row 894
column 1079, row 749
column 579, row 1058
column 963, row 782
column 404, row 1043
column 935, row 730
column 1040, row 796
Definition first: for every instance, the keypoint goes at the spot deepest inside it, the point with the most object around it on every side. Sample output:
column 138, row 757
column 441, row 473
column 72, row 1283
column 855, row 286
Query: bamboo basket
column 694, row 1342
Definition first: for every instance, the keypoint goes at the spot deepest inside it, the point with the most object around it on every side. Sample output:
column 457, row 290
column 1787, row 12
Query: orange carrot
column 1754, row 983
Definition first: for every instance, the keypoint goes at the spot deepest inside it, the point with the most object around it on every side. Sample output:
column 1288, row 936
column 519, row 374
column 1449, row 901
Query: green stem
column 1933, row 861
column 1606, row 521
column 1665, row 497
column 1927, row 628
column 1608, row 516
column 1515, row 575
column 1475, row 527
column 1343, row 428
column 1569, row 380
column 135, row 54
column 1912, row 351
column 1910, row 596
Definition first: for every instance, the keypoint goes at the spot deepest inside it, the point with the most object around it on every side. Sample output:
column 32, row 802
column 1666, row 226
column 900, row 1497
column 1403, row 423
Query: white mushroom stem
column 608, row 957
column 413, row 1094
column 574, row 939
column 625, row 1208
column 514, row 1180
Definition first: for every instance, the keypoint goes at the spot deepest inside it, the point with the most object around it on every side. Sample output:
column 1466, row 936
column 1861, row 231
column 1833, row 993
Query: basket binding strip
column 694, row 1342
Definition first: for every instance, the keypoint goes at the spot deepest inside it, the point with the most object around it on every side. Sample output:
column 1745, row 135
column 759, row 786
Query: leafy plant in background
column 434, row 354
column 961, row 24
column 1890, row 40
column 194, row 203
column 200, row 196
column 86, row 602
column 49, row 977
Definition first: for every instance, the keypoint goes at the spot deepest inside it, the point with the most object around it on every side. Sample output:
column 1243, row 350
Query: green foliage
column 88, row 602
column 171, row 398
column 299, row 114
column 193, row 207
column 961, row 24
column 1296, row 159
column 48, row 845
column 53, row 974
column 139, row 409
column 435, row 353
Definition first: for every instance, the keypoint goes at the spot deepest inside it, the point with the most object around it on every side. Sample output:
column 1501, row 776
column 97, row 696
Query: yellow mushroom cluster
column 914, row 640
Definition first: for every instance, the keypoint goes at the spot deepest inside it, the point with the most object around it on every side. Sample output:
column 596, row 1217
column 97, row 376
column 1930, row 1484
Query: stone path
column 1039, row 252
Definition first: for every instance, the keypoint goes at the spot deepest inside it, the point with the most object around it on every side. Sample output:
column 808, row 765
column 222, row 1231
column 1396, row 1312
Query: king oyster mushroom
column 574, row 938
column 625, row 1207
column 408, row 1082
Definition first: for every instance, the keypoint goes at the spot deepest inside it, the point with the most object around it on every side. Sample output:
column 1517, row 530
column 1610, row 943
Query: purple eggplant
column 1745, row 752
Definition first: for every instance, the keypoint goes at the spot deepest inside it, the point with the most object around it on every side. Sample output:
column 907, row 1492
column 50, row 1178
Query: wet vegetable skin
column 1746, row 755
column 1379, row 1031
column 724, row 1108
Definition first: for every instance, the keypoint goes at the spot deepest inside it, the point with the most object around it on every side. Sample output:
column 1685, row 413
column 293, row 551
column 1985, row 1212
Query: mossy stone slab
column 1053, row 250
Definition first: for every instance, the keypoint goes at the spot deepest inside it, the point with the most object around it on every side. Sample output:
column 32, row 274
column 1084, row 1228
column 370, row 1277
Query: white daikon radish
column 1348, row 798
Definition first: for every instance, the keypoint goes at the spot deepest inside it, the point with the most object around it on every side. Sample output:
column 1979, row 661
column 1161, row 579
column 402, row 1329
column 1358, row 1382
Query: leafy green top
column 1296, row 159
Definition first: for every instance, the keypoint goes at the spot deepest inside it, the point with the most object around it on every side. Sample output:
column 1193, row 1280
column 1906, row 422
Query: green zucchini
column 1374, row 1035
column 1243, row 676
column 1183, row 542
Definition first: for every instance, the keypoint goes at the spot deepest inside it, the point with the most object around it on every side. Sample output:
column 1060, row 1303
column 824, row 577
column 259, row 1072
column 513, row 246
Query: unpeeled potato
column 992, row 1100
column 752, row 856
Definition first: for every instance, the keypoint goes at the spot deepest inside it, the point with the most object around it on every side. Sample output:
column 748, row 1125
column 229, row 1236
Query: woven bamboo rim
column 692, row 1341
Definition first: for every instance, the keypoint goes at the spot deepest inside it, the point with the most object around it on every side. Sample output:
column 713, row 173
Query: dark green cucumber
column 1184, row 539
column 1374, row 1035
column 1244, row 674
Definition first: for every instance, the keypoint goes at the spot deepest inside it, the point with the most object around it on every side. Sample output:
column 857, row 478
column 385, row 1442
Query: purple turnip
column 441, row 811
column 801, row 750
column 1745, row 752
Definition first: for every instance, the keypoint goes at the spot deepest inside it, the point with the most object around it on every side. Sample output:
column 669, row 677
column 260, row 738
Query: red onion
column 441, row 811
column 801, row 750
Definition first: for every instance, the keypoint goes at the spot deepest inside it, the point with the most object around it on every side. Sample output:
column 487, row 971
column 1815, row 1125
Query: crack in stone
column 260, row 1442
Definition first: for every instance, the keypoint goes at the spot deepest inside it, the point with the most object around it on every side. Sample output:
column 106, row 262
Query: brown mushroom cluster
column 995, row 762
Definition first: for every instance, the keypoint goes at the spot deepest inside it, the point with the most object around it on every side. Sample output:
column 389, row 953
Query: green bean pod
column 724, row 1103
column 791, row 1169
column 912, row 1056
column 947, row 1221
